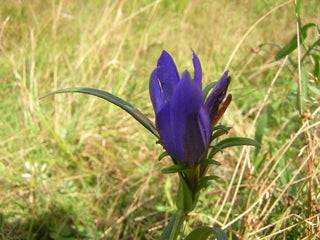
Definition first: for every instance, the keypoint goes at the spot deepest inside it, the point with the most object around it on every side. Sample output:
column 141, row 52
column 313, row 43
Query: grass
column 75, row 167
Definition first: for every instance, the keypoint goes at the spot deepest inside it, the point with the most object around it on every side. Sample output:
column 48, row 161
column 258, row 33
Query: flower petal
column 155, row 91
column 163, row 124
column 183, row 127
column 216, row 96
column 168, row 75
column 205, row 125
column 197, row 137
column 197, row 70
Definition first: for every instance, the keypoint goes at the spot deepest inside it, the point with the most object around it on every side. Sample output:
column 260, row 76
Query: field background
column 76, row 167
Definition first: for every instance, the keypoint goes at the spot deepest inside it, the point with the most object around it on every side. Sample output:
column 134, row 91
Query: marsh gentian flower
column 183, row 120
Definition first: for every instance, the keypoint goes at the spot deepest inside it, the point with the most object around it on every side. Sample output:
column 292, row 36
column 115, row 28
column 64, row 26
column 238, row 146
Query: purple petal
column 155, row 91
column 197, row 70
column 168, row 75
column 183, row 124
column 205, row 125
column 163, row 124
column 216, row 96
column 197, row 137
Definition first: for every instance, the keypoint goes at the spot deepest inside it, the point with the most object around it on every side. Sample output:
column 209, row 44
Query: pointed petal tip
column 193, row 53
column 195, row 56
column 225, row 77
column 197, row 70
column 164, row 52
column 186, row 75
column 227, row 74
column 164, row 59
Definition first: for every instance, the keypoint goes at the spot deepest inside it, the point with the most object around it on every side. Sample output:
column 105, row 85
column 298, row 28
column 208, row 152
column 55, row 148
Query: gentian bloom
column 183, row 120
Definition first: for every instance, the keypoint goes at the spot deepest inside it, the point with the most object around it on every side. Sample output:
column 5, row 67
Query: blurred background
column 73, row 166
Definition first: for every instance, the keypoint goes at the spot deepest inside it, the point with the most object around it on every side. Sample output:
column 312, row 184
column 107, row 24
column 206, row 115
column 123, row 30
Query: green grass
column 76, row 167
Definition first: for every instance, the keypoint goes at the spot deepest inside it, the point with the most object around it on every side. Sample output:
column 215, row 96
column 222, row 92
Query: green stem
column 178, row 222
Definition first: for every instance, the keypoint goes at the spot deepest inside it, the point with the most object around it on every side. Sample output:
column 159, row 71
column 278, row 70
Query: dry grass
column 74, row 165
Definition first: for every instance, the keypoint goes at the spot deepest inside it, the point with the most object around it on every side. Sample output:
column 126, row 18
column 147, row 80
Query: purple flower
column 183, row 120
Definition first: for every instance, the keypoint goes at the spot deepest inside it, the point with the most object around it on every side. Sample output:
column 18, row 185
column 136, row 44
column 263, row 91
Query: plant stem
column 180, row 216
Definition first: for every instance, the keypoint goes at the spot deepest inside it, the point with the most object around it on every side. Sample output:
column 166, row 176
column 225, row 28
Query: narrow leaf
column 168, row 229
column 316, row 59
column 218, row 133
column 208, row 178
column 201, row 185
column 271, row 44
column 134, row 112
column 292, row 44
column 209, row 161
column 173, row 169
column 205, row 182
column 222, row 127
column 231, row 142
column 279, row 47
column 163, row 155
column 184, row 196
column 203, row 233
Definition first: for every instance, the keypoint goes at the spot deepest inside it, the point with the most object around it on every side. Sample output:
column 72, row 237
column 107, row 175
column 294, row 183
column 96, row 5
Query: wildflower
column 183, row 120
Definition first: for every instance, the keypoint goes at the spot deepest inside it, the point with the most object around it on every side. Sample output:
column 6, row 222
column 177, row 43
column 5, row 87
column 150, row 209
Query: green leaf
column 203, row 233
column 292, row 44
column 231, row 142
column 218, row 133
column 216, row 149
column 173, row 169
column 277, row 46
column 316, row 59
column 168, row 229
column 184, row 196
column 207, row 161
column 271, row 44
column 134, row 112
column 204, row 182
column 163, row 155
column 225, row 128
column 207, row 89
column 208, row 178
column 201, row 185
column 219, row 130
